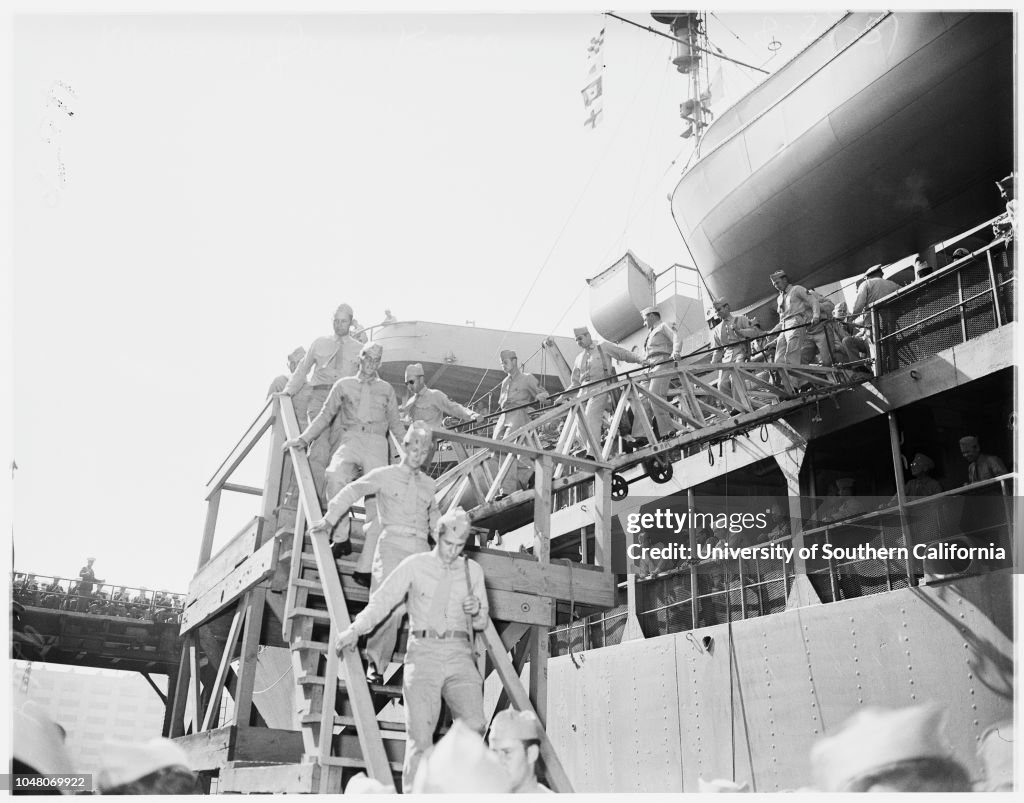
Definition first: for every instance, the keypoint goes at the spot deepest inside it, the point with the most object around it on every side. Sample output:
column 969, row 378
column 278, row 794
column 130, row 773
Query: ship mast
column 689, row 30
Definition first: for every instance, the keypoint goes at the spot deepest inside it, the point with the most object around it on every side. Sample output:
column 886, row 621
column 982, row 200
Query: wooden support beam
column 234, row 552
column 160, row 694
column 196, row 686
column 209, row 528
column 176, row 726
column 508, row 447
column 251, row 490
column 208, row 750
column 213, row 708
column 247, row 661
column 543, row 469
column 540, row 650
column 262, row 423
column 521, row 700
column 602, row 503
column 250, row 573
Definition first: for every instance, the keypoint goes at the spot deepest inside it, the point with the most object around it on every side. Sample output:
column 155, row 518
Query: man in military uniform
column 332, row 357
column 517, row 389
column 873, row 287
column 796, row 308
column 660, row 345
column 515, row 738
column 428, row 405
column 364, row 407
column 979, row 466
column 730, row 340
column 447, row 601
column 592, row 364
column 407, row 512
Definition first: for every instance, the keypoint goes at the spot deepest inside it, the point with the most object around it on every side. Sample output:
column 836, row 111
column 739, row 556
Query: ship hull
column 884, row 136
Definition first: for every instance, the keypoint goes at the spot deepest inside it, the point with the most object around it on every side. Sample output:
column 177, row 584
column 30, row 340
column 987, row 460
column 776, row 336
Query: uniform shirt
column 725, row 336
column 790, row 307
column 334, row 357
column 88, row 578
column 278, row 385
column 519, row 389
column 430, row 406
column 660, row 342
column 595, row 363
column 415, row 580
column 366, row 404
column 405, row 498
column 985, row 467
column 871, row 291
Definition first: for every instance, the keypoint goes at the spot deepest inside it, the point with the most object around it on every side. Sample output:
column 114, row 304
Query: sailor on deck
column 980, row 466
column 446, row 600
column 407, row 511
column 333, row 357
column 730, row 341
column 428, row 405
column 873, row 288
column 364, row 407
column 797, row 308
column 515, row 738
column 592, row 364
column 517, row 389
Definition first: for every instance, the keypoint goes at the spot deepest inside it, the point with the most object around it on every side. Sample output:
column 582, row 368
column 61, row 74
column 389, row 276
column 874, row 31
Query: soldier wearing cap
column 730, row 340
column 873, row 287
column 659, row 346
column 899, row 750
column 407, row 512
column 517, row 389
column 365, row 408
column 88, row 578
column 330, row 358
column 593, row 364
column 446, row 600
column 281, row 382
column 979, row 466
column 515, row 738
column 428, row 405
column 796, row 308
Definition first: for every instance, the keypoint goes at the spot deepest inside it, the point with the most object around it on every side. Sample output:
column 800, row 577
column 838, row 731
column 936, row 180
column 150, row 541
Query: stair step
column 313, row 613
column 301, row 582
column 375, row 688
column 341, row 761
column 388, row 730
column 306, row 644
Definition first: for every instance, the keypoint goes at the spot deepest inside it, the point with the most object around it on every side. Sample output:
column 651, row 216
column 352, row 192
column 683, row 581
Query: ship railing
column 963, row 300
column 695, row 404
column 590, row 632
column 105, row 599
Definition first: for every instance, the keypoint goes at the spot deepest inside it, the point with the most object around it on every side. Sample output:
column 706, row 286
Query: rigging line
column 647, row 145
column 674, row 39
column 565, row 225
column 736, row 36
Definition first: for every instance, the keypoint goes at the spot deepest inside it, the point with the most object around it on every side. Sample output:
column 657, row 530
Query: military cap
column 875, row 738
column 924, row 461
column 580, row 331
column 124, row 762
column 461, row 762
column 779, row 274
column 970, row 440
column 650, row 311
column 512, row 724
column 413, row 370
column 372, row 350
column 455, row 521
column 346, row 308
column 845, row 482
column 507, row 354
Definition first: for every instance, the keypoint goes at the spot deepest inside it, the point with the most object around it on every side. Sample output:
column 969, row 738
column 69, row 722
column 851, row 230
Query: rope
column 572, row 615
column 283, row 675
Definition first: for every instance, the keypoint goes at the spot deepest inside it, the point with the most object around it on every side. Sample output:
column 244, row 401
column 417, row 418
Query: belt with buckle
column 447, row 634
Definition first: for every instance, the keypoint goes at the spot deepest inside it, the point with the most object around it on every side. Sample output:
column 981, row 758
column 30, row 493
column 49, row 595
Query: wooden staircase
column 345, row 726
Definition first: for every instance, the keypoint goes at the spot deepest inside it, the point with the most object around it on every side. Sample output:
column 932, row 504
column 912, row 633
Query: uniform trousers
column 358, row 452
column 436, row 669
column 392, row 548
column 790, row 344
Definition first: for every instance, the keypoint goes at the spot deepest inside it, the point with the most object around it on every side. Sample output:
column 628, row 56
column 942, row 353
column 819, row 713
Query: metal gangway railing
column 102, row 599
